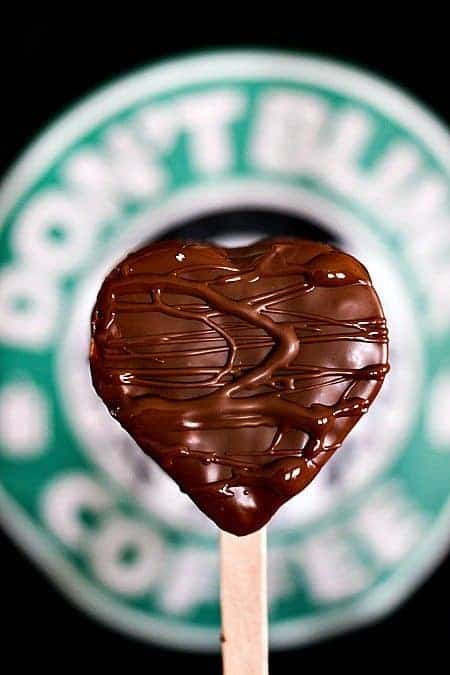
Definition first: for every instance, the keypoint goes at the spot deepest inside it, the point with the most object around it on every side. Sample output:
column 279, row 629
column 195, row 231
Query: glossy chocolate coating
column 242, row 370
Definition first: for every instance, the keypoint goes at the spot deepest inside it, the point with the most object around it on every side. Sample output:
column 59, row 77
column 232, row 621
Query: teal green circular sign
column 173, row 142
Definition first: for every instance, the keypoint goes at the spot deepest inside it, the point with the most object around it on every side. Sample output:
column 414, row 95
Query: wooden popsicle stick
column 243, row 593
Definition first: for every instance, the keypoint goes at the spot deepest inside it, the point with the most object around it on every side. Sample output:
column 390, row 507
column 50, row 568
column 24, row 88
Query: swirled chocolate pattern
column 242, row 370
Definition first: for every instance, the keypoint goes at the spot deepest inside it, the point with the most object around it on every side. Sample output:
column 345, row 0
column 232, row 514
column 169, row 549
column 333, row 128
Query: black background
column 49, row 64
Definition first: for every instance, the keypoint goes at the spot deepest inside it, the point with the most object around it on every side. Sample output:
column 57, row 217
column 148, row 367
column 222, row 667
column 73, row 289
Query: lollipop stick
column 243, row 569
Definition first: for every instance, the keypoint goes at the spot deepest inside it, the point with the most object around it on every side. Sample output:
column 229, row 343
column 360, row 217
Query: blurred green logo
column 175, row 142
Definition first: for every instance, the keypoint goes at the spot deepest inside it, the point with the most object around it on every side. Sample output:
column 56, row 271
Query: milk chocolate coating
column 240, row 370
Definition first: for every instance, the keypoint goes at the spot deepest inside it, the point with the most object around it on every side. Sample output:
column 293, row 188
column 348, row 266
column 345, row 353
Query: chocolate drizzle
column 240, row 371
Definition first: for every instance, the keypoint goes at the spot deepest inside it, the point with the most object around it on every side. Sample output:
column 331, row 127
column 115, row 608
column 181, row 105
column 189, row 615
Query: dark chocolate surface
column 240, row 371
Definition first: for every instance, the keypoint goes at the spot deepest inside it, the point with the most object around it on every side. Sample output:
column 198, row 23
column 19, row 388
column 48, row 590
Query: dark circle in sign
column 251, row 223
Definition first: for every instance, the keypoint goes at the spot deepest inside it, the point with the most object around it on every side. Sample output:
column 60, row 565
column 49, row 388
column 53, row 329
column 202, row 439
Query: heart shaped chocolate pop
column 241, row 370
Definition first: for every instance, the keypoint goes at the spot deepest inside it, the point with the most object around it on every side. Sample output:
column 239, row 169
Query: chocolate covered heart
column 240, row 370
